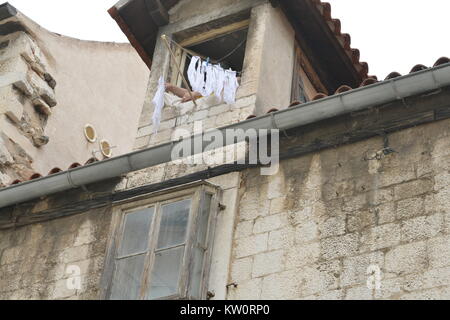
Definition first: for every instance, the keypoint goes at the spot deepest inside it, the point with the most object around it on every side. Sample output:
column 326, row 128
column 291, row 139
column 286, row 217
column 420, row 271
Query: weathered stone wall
column 51, row 86
column 27, row 96
column 309, row 232
column 312, row 231
column 35, row 260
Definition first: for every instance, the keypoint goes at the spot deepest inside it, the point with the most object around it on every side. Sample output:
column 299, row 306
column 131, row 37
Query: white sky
column 392, row 35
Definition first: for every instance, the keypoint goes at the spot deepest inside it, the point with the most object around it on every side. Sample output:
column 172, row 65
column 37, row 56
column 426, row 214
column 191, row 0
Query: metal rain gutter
column 333, row 106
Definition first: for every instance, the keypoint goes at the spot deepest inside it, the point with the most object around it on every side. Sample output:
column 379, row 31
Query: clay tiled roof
column 344, row 38
column 367, row 82
column 55, row 170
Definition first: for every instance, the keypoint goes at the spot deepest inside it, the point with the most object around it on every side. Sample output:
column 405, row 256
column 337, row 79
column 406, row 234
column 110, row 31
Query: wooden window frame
column 302, row 63
column 181, row 55
column 196, row 193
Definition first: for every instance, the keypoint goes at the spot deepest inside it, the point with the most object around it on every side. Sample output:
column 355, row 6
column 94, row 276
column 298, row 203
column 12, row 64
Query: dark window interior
column 227, row 50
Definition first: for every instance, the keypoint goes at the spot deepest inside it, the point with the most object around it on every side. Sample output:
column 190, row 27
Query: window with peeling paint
column 163, row 247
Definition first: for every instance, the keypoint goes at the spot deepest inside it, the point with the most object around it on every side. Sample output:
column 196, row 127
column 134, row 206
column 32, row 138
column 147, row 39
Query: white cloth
column 194, row 74
column 158, row 102
column 230, row 87
column 171, row 100
column 219, row 75
column 210, row 84
column 202, row 81
column 223, row 83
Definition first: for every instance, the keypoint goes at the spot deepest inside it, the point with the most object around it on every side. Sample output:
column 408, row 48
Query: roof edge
column 7, row 11
column 114, row 13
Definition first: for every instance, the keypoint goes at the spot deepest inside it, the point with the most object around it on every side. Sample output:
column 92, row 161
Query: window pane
column 197, row 273
column 174, row 221
column 202, row 231
column 136, row 232
column 166, row 273
column 127, row 278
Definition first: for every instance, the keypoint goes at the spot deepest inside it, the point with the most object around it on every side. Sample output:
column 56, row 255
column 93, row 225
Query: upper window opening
column 228, row 50
column 305, row 83
column 222, row 45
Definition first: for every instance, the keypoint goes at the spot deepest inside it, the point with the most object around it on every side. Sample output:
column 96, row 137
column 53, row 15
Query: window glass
column 136, row 232
column 153, row 260
column 197, row 273
column 174, row 221
column 128, row 278
column 166, row 273
column 203, row 220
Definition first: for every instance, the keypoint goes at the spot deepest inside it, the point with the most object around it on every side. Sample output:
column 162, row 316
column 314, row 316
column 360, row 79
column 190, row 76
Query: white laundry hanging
column 201, row 74
column 158, row 102
column 219, row 75
column 194, row 75
column 223, row 83
column 230, row 87
column 210, row 83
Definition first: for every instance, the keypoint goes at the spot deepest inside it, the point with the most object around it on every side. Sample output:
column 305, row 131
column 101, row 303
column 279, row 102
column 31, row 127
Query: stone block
column 406, row 259
column 283, row 238
column 360, row 220
column 386, row 213
column 268, row 263
column 422, row 228
column 244, row 229
column 41, row 106
column 306, row 232
column 299, row 256
column 252, row 245
column 241, row 270
column 380, row 237
column 270, row 223
column 281, row 286
column 410, row 208
column 42, row 89
column 439, row 252
column 277, row 205
column 397, row 175
column 341, row 246
column 413, row 188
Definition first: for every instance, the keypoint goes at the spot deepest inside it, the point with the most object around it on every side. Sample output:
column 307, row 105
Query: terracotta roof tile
column 344, row 38
column 441, row 61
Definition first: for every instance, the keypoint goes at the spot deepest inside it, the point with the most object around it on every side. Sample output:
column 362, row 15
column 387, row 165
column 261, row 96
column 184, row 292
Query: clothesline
column 190, row 54
column 205, row 78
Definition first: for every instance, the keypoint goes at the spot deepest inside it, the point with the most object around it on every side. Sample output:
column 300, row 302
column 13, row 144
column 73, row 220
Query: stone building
column 358, row 207
column 52, row 87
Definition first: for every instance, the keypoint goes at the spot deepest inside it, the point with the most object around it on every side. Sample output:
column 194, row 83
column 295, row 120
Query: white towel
column 230, row 87
column 210, row 84
column 193, row 73
column 220, row 79
column 158, row 102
